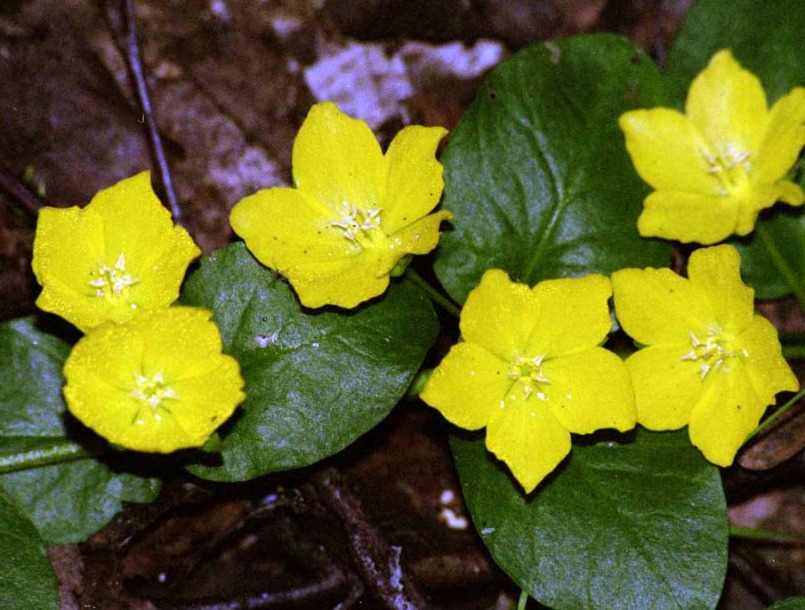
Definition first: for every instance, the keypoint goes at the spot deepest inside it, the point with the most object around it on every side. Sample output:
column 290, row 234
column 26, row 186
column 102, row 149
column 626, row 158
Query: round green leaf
column 791, row 603
column 67, row 501
column 537, row 175
column 629, row 526
column 766, row 38
column 27, row 580
column 316, row 380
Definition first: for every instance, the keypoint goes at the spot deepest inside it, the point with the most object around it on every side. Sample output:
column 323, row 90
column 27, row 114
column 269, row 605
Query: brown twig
column 378, row 562
column 15, row 188
column 124, row 31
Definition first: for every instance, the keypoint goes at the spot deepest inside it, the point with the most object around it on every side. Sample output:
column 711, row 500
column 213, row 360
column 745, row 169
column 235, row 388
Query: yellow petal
column 658, row 307
column 415, row 181
column 666, row 387
column 527, row 438
column 500, row 315
column 668, row 151
column 765, row 365
column 574, row 315
column 717, row 273
column 728, row 105
column 689, row 217
column 468, row 386
column 724, row 416
column 589, row 391
column 421, row 236
column 337, row 160
column 783, row 140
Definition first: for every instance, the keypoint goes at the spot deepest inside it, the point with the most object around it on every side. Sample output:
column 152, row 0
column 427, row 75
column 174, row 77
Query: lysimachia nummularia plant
column 591, row 393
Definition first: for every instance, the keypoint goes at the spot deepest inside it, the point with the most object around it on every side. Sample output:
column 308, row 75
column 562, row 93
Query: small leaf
column 636, row 525
column 766, row 38
column 316, row 380
column 791, row 603
column 27, row 580
column 537, row 175
column 68, row 501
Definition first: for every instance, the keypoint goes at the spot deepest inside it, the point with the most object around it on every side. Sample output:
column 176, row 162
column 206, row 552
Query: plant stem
column 761, row 534
column 790, row 276
column 778, row 413
column 55, row 453
column 521, row 603
column 434, row 295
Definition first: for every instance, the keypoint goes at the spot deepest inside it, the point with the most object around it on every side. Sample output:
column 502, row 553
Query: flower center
column 731, row 167
column 529, row 372
column 152, row 391
column 360, row 227
column 113, row 282
column 713, row 353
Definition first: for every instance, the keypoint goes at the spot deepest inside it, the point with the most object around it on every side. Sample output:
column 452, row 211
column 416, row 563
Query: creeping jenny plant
column 722, row 162
column 158, row 382
column 710, row 362
column 355, row 213
column 531, row 371
column 107, row 261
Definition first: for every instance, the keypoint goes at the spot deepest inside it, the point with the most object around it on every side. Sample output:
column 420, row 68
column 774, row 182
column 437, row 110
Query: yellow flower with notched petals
column 531, row 371
column 722, row 162
column 156, row 383
column 354, row 214
column 107, row 261
column 710, row 362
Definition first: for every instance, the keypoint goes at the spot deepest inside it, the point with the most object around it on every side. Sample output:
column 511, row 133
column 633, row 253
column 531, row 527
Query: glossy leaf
column 315, row 380
column 766, row 37
column 68, row 501
column 537, row 175
column 27, row 581
column 790, row 603
column 636, row 525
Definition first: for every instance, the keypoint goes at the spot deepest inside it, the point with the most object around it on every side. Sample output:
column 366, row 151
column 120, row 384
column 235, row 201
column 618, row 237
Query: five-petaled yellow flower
column 722, row 162
column 107, row 261
column 354, row 214
column 710, row 362
column 531, row 371
column 156, row 383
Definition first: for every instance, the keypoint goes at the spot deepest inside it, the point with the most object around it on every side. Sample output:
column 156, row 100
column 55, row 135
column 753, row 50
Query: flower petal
column 527, row 438
column 666, row 387
column 784, row 138
column 499, row 315
column 658, row 307
column 589, row 391
column 717, row 273
column 689, row 217
column 574, row 315
column 468, row 386
column 337, row 160
column 728, row 105
column 668, row 151
column 421, row 236
column 415, row 180
column 765, row 365
column 724, row 416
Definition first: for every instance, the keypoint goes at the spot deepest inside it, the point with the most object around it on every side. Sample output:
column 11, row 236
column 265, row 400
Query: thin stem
column 789, row 275
column 774, row 416
column 521, row 603
column 434, row 295
column 125, row 33
column 769, row 535
column 56, row 453
column 794, row 352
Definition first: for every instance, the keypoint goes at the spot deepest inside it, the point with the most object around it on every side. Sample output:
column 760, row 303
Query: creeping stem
column 434, row 295
column 774, row 416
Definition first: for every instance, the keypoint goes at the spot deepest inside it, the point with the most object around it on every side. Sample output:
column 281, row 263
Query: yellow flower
column 112, row 258
column 711, row 363
column 722, row 162
column 158, row 382
column 530, row 369
column 354, row 214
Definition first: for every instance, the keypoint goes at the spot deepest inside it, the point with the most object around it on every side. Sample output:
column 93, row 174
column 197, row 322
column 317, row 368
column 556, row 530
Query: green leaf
column 791, row 603
column 27, row 580
column 66, row 501
column 537, row 174
column 636, row 525
column 766, row 38
column 316, row 380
